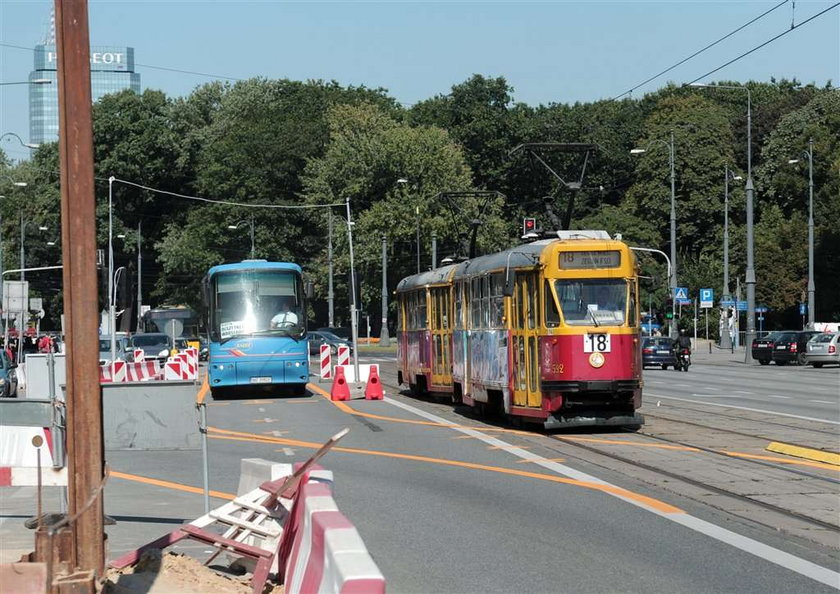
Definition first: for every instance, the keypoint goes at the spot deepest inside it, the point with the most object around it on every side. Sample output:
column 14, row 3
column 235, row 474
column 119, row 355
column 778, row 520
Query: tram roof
column 438, row 276
column 253, row 265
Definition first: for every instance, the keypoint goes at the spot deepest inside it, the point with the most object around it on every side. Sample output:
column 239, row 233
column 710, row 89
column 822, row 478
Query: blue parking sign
column 707, row 298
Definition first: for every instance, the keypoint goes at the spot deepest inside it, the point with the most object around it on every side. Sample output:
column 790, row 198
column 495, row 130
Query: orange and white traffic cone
column 373, row 389
column 340, row 390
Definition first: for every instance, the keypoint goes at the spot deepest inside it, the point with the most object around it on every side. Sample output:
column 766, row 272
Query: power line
column 698, row 52
column 782, row 34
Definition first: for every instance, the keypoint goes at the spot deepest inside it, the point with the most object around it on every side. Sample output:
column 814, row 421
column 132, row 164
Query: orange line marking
column 202, row 393
column 660, row 506
column 169, row 484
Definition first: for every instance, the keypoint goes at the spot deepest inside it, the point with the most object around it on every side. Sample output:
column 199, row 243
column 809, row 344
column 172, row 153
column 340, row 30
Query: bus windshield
column 256, row 302
column 592, row 302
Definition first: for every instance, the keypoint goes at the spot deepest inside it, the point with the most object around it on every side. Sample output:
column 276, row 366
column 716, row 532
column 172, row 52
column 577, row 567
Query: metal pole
column 252, row 238
column 3, row 285
column 353, row 312
column 330, row 295
column 434, row 250
column 671, row 155
column 22, row 264
column 417, row 220
column 111, row 306
column 78, row 237
column 750, row 189
column 139, row 275
column 811, row 286
column 725, row 337
column 384, row 338
column 202, row 407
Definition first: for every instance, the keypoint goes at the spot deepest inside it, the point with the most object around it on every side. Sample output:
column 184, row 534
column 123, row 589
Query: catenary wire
column 782, row 34
column 698, row 52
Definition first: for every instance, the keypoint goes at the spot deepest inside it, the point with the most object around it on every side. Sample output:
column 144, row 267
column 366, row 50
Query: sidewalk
column 707, row 351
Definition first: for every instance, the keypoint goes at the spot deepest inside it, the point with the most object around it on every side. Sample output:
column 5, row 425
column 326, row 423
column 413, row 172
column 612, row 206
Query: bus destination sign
column 590, row 260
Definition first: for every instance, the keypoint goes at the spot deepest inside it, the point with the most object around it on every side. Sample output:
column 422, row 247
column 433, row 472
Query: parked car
column 658, row 350
column 123, row 349
column 344, row 334
column 319, row 337
column 762, row 348
column 790, row 347
column 8, row 376
column 823, row 349
column 154, row 345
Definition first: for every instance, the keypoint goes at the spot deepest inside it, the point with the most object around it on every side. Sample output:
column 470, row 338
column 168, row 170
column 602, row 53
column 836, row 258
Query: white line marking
column 778, row 396
column 289, row 451
column 748, row 545
column 822, row 401
column 741, row 392
column 712, row 395
column 768, row 412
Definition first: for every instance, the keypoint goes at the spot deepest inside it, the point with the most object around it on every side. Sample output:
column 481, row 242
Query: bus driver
column 285, row 318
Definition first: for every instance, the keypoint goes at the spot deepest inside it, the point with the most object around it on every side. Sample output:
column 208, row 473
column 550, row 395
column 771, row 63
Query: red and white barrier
column 327, row 554
column 343, row 355
column 326, row 362
column 114, row 372
column 189, row 366
column 364, row 372
column 19, row 458
column 139, row 355
column 144, row 371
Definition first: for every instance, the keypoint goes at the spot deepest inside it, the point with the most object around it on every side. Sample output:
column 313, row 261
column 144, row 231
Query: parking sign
column 707, row 298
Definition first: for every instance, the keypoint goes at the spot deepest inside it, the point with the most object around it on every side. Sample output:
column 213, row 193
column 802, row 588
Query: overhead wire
column 698, row 52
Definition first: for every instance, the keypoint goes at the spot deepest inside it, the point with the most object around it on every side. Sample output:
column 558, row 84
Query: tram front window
column 592, row 302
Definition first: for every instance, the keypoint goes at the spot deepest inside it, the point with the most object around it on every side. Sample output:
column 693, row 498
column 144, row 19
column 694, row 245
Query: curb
column 807, row 453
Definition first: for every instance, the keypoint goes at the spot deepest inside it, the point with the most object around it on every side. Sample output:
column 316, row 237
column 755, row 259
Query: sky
column 549, row 52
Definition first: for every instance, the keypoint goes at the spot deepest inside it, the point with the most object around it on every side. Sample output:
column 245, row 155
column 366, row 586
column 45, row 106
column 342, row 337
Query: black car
column 319, row 337
column 658, row 350
column 344, row 334
column 762, row 348
column 790, row 347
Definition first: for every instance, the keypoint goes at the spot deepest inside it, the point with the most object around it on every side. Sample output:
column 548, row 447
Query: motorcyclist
column 684, row 342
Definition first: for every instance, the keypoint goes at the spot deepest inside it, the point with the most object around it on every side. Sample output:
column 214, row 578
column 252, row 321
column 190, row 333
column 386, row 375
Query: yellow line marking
column 629, row 443
column 169, row 484
column 783, row 460
column 202, row 393
column 660, row 506
column 807, row 453
column 541, row 460
column 345, row 408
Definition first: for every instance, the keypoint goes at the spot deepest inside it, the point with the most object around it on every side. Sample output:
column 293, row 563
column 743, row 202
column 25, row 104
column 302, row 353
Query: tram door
column 524, row 327
column 441, row 330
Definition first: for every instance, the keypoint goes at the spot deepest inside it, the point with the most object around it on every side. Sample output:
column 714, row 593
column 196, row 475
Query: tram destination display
column 590, row 260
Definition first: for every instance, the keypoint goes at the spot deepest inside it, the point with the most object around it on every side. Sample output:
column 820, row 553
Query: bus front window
column 256, row 302
column 592, row 302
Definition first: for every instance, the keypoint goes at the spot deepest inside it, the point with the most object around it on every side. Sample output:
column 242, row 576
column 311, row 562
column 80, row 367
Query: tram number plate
column 596, row 343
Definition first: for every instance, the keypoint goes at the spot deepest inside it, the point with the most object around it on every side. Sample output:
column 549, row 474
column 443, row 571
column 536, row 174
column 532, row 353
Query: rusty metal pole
column 78, row 237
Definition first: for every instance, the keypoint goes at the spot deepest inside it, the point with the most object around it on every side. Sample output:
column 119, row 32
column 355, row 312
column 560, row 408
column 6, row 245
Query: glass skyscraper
column 111, row 70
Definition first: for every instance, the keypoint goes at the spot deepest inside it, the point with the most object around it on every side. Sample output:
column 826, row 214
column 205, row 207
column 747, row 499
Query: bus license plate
column 596, row 343
column 261, row 380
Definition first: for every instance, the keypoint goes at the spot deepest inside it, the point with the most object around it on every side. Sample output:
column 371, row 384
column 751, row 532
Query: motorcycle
column 683, row 359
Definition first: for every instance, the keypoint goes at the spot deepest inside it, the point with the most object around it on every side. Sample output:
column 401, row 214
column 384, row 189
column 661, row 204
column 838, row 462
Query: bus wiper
column 231, row 337
column 592, row 315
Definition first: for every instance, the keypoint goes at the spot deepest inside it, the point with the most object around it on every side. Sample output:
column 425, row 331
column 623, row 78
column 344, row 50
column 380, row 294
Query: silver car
column 823, row 349
column 105, row 349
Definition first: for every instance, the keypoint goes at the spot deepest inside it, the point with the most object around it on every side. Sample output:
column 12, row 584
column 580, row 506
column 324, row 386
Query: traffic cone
column 340, row 390
column 373, row 390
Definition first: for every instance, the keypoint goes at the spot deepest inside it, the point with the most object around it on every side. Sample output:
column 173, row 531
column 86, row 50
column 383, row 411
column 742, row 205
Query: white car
column 823, row 349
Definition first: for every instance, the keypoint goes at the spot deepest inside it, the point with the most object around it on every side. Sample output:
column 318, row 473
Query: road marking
column 549, row 459
column 275, row 433
column 593, row 483
column 627, row 442
column 758, row 410
column 778, row 396
column 822, row 401
column 169, row 484
column 202, row 393
column 782, row 460
column 711, row 395
column 742, row 392
column 266, row 420
column 748, row 545
column 287, row 451
column 505, row 447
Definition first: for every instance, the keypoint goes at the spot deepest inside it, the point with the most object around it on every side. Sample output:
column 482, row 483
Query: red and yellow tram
column 546, row 331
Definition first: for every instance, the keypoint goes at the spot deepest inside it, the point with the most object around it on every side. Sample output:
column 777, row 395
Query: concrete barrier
column 150, row 416
column 37, row 374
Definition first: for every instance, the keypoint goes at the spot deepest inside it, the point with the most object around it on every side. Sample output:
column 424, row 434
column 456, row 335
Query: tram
column 544, row 332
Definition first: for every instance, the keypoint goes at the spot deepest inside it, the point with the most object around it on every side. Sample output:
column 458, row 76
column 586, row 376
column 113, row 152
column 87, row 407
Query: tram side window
column 459, row 304
column 485, row 302
column 475, row 302
column 497, row 307
column 421, row 310
column 552, row 316
column 631, row 312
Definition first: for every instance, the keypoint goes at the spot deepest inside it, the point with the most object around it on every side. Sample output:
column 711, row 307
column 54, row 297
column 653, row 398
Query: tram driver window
column 552, row 316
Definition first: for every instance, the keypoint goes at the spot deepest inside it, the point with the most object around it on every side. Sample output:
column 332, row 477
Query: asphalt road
column 452, row 509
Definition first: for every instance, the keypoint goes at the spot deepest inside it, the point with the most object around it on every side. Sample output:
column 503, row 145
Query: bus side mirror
column 310, row 290
column 507, row 291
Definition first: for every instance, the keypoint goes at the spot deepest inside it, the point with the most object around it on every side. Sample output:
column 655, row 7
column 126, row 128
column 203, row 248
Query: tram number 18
column 596, row 343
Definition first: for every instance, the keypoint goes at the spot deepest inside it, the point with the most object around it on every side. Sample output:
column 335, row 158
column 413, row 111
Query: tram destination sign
column 588, row 260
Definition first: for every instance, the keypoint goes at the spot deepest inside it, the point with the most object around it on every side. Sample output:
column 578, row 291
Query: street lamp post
column 353, row 313
column 251, row 223
column 725, row 338
column 30, row 145
column 384, row 338
column 673, row 276
column 750, row 191
column 811, row 286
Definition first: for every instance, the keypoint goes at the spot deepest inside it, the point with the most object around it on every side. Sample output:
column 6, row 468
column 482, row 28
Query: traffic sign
column 727, row 302
column 801, row 309
column 742, row 306
column 681, row 293
column 761, row 309
column 707, row 298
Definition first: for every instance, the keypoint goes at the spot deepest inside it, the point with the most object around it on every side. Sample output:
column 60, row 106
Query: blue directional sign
column 761, row 309
column 707, row 298
column 727, row 302
column 742, row 306
column 801, row 309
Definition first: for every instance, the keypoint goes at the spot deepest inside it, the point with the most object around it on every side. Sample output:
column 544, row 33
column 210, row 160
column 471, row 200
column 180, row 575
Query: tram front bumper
column 559, row 421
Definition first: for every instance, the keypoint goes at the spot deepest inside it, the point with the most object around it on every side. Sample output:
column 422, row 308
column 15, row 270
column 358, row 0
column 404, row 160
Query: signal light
column 529, row 225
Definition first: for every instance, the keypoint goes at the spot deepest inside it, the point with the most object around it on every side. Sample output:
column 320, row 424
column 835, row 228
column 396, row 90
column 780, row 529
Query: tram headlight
column 597, row 360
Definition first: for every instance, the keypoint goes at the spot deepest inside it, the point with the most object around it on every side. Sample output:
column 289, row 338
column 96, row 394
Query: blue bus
column 257, row 326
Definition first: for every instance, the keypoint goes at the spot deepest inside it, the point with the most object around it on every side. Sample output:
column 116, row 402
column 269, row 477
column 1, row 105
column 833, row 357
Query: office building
column 111, row 70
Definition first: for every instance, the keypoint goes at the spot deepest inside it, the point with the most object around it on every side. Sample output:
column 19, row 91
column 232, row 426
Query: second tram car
column 546, row 332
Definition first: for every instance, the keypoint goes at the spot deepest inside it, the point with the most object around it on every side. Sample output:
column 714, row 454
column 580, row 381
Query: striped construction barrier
column 343, row 355
column 326, row 362
column 113, row 372
column 327, row 554
column 139, row 355
column 19, row 458
column 144, row 371
column 189, row 366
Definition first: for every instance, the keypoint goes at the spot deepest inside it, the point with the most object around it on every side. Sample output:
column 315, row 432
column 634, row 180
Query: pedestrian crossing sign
column 681, row 293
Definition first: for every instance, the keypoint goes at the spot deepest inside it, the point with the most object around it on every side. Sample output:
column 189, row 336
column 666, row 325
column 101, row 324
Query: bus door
column 440, row 325
column 524, row 327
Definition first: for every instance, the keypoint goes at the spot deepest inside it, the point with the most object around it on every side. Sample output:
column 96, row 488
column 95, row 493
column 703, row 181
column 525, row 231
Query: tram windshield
column 592, row 302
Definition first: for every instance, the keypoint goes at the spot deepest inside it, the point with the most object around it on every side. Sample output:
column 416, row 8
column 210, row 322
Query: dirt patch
column 171, row 573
